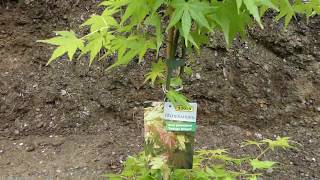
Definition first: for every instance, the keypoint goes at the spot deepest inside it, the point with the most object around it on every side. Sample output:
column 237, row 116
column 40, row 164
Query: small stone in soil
column 269, row 171
column 258, row 135
column 30, row 148
column 63, row 92
column 198, row 76
column 40, row 124
column 16, row 132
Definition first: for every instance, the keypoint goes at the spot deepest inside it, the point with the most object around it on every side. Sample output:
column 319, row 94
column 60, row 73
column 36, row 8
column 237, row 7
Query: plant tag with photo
column 171, row 141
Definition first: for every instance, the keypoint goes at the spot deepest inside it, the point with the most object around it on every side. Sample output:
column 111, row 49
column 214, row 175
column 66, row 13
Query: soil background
column 71, row 121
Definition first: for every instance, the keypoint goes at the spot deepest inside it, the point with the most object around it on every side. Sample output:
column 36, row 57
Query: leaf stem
column 94, row 32
column 263, row 152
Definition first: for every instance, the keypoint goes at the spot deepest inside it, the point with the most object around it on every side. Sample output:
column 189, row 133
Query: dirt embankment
column 68, row 120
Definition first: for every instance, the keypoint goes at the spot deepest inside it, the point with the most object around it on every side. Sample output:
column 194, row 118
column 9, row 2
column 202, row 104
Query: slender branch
column 175, row 43
column 183, row 56
column 170, row 56
column 170, row 43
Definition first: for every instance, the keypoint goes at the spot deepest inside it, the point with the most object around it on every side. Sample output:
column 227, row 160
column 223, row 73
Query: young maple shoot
column 128, row 29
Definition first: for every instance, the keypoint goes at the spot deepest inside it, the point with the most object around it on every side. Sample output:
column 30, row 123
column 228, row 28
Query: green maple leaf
column 230, row 21
column 96, row 42
column 257, row 164
column 239, row 4
column 176, row 98
column 188, row 11
column 255, row 143
column 156, row 5
column 217, row 172
column 99, row 23
column 67, row 42
column 309, row 8
column 254, row 10
column 285, row 10
column 176, row 82
column 200, row 38
column 254, row 6
column 156, row 72
column 155, row 20
column 280, row 142
column 137, row 10
column 114, row 4
column 130, row 47
column 96, row 22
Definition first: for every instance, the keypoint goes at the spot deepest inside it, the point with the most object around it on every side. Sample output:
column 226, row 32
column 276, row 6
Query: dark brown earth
column 71, row 121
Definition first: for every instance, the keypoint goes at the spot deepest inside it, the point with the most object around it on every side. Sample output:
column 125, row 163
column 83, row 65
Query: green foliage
column 176, row 98
column 157, row 71
column 67, row 42
column 257, row 164
column 208, row 164
column 141, row 24
column 288, row 10
column 280, row 142
column 188, row 11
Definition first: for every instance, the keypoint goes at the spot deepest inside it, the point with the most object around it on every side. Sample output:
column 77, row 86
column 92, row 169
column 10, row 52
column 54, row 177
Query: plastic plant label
column 180, row 113
column 168, row 144
column 180, row 118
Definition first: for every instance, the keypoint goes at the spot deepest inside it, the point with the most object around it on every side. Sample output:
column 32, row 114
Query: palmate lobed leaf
column 128, row 48
column 157, row 71
column 114, row 4
column 280, row 142
column 286, row 10
column 67, row 42
column 176, row 98
column 253, row 8
column 155, row 20
column 219, row 172
column 99, row 23
column 97, row 42
column 309, row 8
column 230, row 21
column 255, row 143
column 137, row 10
column 257, row 164
column 176, row 82
column 188, row 11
